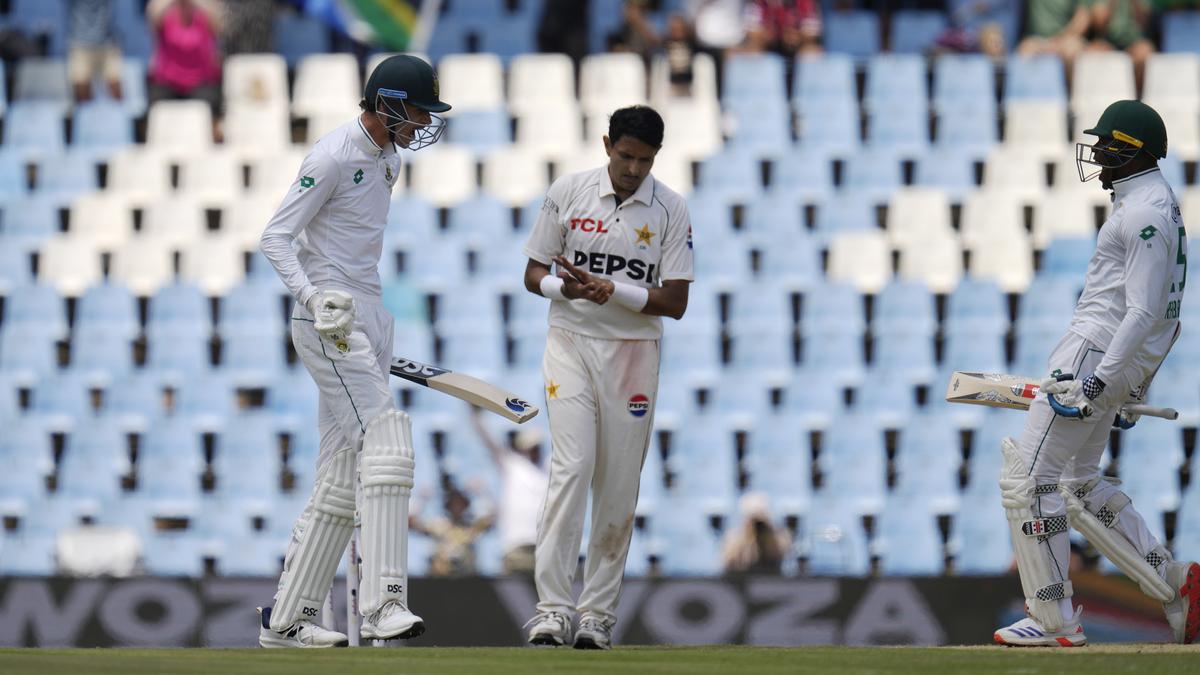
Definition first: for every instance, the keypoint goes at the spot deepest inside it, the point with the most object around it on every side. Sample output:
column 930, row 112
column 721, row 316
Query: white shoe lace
column 594, row 625
column 543, row 617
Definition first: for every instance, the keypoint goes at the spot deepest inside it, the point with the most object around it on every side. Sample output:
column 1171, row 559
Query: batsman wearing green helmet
column 1124, row 324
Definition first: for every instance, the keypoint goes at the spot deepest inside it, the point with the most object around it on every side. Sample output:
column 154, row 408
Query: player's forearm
column 665, row 301
column 277, row 247
column 1125, row 345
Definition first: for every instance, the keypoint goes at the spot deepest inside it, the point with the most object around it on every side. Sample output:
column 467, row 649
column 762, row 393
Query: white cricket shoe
column 1029, row 633
column 1183, row 613
column 594, row 633
column 392, row 621
column 302, row 634
column 550, row 629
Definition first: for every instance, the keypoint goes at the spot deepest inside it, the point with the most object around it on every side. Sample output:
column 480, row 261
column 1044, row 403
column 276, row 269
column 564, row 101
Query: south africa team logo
column 639, row 405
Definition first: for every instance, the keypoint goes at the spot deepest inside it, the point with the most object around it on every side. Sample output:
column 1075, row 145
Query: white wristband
column 630, row 296
column 551, row 287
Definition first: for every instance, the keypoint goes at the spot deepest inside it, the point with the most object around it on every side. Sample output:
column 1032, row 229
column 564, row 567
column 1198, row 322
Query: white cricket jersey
column 642, row 241
column 1131, row 298
column 335, row 213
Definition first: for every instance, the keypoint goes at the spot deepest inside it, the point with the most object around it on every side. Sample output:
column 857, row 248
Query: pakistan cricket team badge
column 644, row 236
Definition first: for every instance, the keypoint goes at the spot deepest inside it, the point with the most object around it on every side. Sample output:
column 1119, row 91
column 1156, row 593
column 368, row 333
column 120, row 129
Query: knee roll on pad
column 1105, row 515
column 386, row 471
column 313, row 561
column 1043, row 575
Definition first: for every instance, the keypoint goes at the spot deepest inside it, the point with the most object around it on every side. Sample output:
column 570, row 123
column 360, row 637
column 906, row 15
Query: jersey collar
column 1128, row 184
column 644, row 193
column 364, row 142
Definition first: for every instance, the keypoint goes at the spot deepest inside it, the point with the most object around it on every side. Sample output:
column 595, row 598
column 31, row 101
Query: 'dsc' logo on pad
column 639, row 405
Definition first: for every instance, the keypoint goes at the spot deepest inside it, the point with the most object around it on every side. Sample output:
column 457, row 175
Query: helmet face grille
column 1106, row 153
column 391, row 106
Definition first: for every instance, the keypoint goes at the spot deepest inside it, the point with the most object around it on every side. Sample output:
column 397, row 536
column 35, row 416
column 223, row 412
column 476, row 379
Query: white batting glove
column 1072, row 398
column 333, row 316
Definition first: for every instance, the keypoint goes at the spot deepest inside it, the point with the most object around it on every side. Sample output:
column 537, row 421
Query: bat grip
column 1151, row 411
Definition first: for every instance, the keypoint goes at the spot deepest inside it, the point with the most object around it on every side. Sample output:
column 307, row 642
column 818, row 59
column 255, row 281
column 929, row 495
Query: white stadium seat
column 540, row 81
column 1062, row 214
column 472, row 81
column 1189, row 203
column 915, row 214
column 1173, row 79
column 1005, row 258
column 174, row 221
column 212, row 179
column 255, row 79
column 245, row 224
column 515, row 176
column 936, row 261
column 1018, row 170
column 444, row 174
column 550, row 132
column 327, row 82
column 1101, row 78
column 258, row 130
column 70, row 264
column 1036, row 126
column 861, row 258
column 272, row 176
column 673, row 170
column 180, row 128
column 703, row 89
column 611, row 81
column 102, row 218
column 1183, row 131
column 989, row 213
column 693, row 127
column 139, row 174
column 143, row 264
column 213, row 263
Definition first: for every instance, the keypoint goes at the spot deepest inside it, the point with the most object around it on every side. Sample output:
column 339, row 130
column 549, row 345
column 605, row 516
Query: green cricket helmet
column 1125, row 129
column 397, row 83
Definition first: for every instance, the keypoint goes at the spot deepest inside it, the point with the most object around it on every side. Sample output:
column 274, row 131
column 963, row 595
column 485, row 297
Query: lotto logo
column 394, row 588
column 309, row 611
column 639, row 405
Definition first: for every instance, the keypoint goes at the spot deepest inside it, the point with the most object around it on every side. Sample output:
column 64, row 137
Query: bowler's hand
column 578, row 283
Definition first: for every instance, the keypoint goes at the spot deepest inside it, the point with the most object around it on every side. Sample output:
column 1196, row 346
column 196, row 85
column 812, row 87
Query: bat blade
column 1000, row 390
column 473, row 390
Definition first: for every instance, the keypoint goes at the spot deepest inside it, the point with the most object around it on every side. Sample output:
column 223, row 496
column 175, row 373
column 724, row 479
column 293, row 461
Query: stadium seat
column 144, row 264
column 779, row 464
column 1036, row 77
column 472, row 81
column 936, row 261
column 1034, row 345
column 873, row 175
column 96, row 458
column 27, row 454
column 541, row 81
column 976, row 302
column 853, row 464
column 732, row 176
column 444, row 174
column 611, row 81
column 914, row 31
column 248, row 461
column 479, row 130
column 140, row 174
column 1035, row 125
column 514, row 175
column 32, row 129
column 1101, row 78
column 830, row 127
column 1149, row 465
column 1173, row 79
column 754, row 78
column 915, row 215
column 14, row 179
column 108, row 305
column 861, row 258
column 895, row 81
column 550, row 133
column 974, row 348
column 1185, row 130
column 928, row 462
column 101, row 219
column 66, row 176
column 256, row 131
column 1067, row 258
column 759, row 127
column 134, row 402
column 889, row 401
column 991, row 212
column 1181, row 31
column 258, row 79
column 101, row 352
column 1048, row 304
column 181, row 306
column 964, row 82
column 801, row 176
column 251, row 308
column 693, row 128
column 180, row 129
column 904, row 130
column 214, row 263
column 825, row 77
column 297, row 36
column 312, row 94
column 687, row 543
column 176, row 354
column 977, row 549
column 467, row 306
column 852, row 32
column 174, row 554
column 101, row 127
column 969, row 131
column 834, row 541
column 904, row 307
column 43, row 80
column 907, row 538
column 1062, row 214
column 702, row 91
column 70, row 264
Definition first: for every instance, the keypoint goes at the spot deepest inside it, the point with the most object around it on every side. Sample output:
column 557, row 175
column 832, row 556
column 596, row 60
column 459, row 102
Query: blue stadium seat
column 42, row 80
column 3, row 90
column 1034, row 345
column 792, row 262
column 61, row 401
column 480, row 221
column 895, row 81
column 854, row 464
column 846, row 211
column 901, row 129
column 756, row 79
column 297, row 36
column 28, row 222
column 247, row 462
column 169, row 465
column 38, row 308
column 832, row 306
column 9, row 401
column 760, row 305
column 799, row 176
column 890, row 399
column 15, row 265
column 825, row 77
column 686, row 542
column 101, row 127
column 1149, row 463
column 976, row 302
column 855, row 33
column 251, row 307
column 830, row 127
column 109, row 305
column 974, row 348
column 964, row 82
column 905, row 307
column 759, row 127
column 928, row 462
column 730, row 175
column 1047, row 305
column 30, row 129
column 834, row 541
column 978, row 540
column 174, row 554
column 907, row 538
column 905, row 355
column 914, row 31
column 180, row 306
column 948, row 168
column 414, row 217
column 176, row 353
column 26, row 357
column 130, row 22
column 469, row 307
column 479, row 351
column 292, row 398
column 968, row 131
column 206, row 402
column 510, row 36
column 96, row 457
column 255, row 556
column 27, row 457
column 1067, row 258
column 779, row 463
column 985, row 460
column 1036, row 77
column 873, row 175
column 40, row 19
column 703, row 460
column 480, row 130
column 14, row 183
column 433, row 264
column 134, row 402
column 66, row 176
column 604, row 17
column 1181, row 31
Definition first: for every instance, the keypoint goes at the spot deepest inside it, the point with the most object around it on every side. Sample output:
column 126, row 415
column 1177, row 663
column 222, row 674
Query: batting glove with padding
column 333, row 316
column 1072, row 398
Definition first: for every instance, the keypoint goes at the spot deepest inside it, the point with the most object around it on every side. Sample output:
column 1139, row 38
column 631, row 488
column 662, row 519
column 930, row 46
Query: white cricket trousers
column 600, row 401
column 353, row 388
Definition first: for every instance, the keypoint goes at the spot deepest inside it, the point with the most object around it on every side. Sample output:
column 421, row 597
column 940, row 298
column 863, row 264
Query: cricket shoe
column 550, row 629
column 1029, row 633
column 1183, row 613
column 594, row 633
column 302, row 634
column 393, row 621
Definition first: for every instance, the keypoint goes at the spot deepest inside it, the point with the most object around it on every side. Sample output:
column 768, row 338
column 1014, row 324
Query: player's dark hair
column 641, row 122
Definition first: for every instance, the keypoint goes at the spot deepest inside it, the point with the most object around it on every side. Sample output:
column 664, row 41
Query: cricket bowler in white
column 325, row 241
column 622, row 244
column 1124, row 325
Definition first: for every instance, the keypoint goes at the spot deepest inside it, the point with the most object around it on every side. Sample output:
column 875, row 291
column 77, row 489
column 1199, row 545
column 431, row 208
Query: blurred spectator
column 248, row 25
column 635, row 33
column 679, row 46
column 523, row 487
column 789, row 27
column 1122, row 24
column 563, row 28
column 1055, row 27
column 186, row 63
column 454, row 535
column 93, row 48
column 978, row 26
column 756, row 546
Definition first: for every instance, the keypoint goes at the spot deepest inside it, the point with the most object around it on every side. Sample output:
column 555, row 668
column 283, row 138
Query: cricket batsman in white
column 622, row 243
column 325, row 241
column 1124, row 325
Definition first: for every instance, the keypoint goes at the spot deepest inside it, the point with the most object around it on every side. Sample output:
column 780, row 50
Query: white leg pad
column 1039, row 541
column 318, row 541
column 386, row 472
column 1105, row 515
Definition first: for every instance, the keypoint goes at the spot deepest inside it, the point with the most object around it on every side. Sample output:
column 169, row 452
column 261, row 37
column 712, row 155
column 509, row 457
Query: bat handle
column 1151, row 411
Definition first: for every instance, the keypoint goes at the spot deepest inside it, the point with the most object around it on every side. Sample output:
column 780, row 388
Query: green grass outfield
column 1157, row 659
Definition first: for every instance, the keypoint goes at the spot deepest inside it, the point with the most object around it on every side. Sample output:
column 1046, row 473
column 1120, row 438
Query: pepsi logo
column 639, row 405
column 516, row 405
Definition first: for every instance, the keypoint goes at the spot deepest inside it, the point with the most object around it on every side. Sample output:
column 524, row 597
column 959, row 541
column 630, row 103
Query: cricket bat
column 999, row 390
column 470, row 389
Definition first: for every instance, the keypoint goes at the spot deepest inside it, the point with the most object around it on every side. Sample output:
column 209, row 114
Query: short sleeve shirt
column 643, row 241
